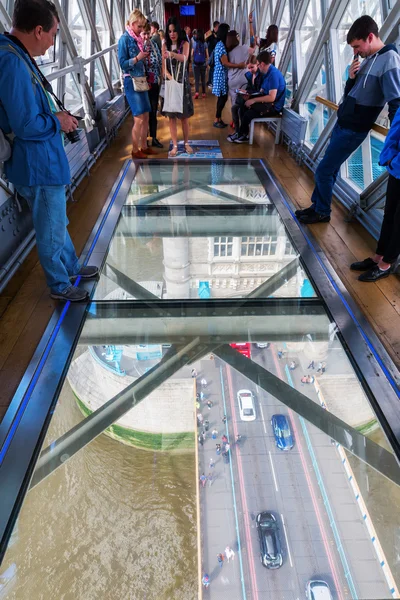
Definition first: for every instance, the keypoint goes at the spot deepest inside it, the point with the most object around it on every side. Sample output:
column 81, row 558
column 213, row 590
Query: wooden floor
column 25, row 306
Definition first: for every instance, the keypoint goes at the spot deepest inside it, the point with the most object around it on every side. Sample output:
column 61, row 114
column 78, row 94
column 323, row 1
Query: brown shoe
column 138, row 154
column 148, row 150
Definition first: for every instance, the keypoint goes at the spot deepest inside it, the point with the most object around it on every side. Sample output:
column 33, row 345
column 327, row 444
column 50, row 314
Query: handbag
column 173, row 99
column 140, row 84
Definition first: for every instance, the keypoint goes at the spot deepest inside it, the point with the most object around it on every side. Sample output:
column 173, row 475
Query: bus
column 242, row 347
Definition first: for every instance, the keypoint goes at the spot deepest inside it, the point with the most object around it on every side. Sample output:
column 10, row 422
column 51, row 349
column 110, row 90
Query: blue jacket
column 391, row 149
column 127, row 50
column 38, row 156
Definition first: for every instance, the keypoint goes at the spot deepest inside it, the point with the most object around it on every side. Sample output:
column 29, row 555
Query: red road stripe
column 242, row 490
column 311, row 488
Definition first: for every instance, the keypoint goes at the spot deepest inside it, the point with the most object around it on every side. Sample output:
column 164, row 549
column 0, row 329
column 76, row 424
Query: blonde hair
column 136, row 15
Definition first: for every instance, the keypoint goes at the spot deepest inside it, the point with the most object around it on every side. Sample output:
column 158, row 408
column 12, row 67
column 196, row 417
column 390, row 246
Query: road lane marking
column 262, row 418
column 287, row 541
column 273, row 471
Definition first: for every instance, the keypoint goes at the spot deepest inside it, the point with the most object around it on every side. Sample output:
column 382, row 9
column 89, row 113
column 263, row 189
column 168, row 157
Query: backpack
column 200, row 53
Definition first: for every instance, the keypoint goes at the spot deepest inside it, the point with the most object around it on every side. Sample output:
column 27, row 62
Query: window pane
column 80, row 34
column 283, row 29
column 289, row 84
column 103, row 32
column 309, row 32
column 316, row 113
column 99, row 81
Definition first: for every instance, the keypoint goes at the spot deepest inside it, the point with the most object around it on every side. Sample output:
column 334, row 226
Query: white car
column 318, row 590
column 246, row 405
column 262, row 344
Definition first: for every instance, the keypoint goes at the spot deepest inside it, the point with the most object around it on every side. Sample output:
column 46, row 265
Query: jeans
column 55, row 248
column 389, row 240
column 154, row 93
column 200, row 73
column 258, row 109
column 222, row 100
column 342, row 144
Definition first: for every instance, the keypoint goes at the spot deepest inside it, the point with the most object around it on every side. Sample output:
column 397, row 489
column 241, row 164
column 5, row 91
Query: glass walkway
column 219, row 422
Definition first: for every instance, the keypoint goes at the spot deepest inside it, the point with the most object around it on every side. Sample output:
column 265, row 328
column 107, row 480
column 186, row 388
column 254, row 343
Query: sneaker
column 219, row 124
column 209, row 85
column 314, row 217
column 196, row 95
column 71, row 294
column 223, row 124
column 88, row 272
column 241, row 139
column 305, row 211
column 363, row 265
column 232, row 137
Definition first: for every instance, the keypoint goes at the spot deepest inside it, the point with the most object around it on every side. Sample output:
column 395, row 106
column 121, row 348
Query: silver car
column 318, row 590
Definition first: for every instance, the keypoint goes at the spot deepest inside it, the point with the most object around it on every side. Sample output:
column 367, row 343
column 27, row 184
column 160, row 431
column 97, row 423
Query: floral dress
column 188, row 110
column 220, row 79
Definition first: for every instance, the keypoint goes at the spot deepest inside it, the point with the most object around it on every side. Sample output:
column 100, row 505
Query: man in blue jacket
column 38, row 166
column 370, row 86
column 388, row 248
column 270, row 100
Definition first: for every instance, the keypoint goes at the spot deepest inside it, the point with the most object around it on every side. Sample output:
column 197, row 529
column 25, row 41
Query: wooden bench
column 277, row 119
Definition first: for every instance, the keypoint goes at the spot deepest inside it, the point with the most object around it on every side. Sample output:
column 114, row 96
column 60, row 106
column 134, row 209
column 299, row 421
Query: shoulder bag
column 173, row 99
column 140, row 83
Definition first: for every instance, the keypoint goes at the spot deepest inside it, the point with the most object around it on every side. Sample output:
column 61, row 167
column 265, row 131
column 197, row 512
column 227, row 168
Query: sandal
column 174, row 151
column 188, row 149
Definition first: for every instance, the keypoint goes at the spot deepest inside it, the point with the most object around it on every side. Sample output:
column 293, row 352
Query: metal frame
column 29, row 414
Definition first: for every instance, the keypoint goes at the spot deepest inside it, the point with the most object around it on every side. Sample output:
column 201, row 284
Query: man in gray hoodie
column 370, row 86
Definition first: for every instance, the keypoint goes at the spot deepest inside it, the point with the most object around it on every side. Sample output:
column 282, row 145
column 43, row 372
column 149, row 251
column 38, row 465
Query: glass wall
column 309, row 32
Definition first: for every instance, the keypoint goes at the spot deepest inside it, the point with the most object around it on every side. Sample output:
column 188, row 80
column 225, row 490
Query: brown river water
column 112, row 523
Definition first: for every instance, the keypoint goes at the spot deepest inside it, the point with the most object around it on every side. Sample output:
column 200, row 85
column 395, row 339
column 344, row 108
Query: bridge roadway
column 261, row 477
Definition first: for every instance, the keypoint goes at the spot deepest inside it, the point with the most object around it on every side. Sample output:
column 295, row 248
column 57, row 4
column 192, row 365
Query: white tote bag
column 173, row 99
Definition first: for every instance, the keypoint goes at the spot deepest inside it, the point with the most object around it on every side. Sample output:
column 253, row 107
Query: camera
column 73, row 136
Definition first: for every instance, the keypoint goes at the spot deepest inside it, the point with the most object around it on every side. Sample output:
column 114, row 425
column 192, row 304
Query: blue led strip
column 50, row 343
column 339, row 293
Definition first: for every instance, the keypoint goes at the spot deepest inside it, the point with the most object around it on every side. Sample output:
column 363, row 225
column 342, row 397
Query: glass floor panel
column 189, row 253
column 207, row 431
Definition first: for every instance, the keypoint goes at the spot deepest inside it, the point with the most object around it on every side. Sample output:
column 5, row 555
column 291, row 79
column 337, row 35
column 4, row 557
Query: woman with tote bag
column 178, row 102
column 132, row 59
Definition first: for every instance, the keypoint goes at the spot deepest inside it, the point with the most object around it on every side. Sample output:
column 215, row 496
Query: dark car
column 270, row 545
column 282, row 432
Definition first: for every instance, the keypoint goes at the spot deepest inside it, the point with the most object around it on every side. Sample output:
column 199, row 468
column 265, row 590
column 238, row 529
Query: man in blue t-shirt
column 270, row 100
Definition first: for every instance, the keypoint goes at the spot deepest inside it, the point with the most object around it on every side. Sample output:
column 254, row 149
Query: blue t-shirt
column 274, row 80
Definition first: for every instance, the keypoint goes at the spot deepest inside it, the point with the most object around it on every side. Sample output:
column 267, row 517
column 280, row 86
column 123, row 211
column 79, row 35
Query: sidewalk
column 218, row 522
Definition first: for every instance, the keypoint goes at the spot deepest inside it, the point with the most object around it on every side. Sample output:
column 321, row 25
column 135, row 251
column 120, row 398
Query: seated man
column 270, row 100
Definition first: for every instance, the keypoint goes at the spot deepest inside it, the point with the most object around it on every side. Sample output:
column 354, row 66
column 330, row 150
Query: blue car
column 282, row 432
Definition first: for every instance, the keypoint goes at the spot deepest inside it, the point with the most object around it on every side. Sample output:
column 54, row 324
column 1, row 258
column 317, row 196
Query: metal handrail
column 332, row 105
column 75, row 67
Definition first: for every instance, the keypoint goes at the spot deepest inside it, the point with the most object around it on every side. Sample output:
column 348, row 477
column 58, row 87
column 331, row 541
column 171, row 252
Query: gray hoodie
column 376, row 83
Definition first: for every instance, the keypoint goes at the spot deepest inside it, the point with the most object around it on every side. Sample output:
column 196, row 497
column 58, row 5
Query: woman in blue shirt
column 220, row 77
column 132, row 59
